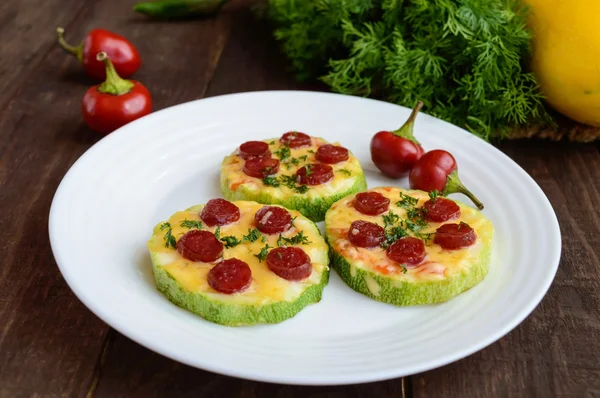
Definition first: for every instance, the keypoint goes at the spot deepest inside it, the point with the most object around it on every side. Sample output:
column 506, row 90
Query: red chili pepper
column 116, row 102
column 437, row 171
column 122, row 53
column 396, row 152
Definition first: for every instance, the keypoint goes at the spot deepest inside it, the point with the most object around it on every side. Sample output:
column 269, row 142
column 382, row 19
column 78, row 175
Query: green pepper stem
column 406, row 131
column 455, row 185
column 114, row 84
column 76, row 51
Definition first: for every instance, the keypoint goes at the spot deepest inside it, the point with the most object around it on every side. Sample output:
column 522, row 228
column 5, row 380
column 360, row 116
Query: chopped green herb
column 283, row 153
column 303, row 158
column 310, row 151
column 308, row 170
column 390, row 219
column 290, row 182
column 294, row 219
column 263, row 239
column 406, row 201
column 295, row 161
column 170, row 240
column 230, row 241
column 434, row 194
column 262, row 255
column 298, row 239
column 272, row 143
column 253, row 235
column 345, row 171
column 191, row 224
column 218, row 233
column 404, row 269
column 272, row 181
column 393, row 234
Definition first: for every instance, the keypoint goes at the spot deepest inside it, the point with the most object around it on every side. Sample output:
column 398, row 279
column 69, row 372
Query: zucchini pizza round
column 240, row 263
column 408, row 247
column 297, row 171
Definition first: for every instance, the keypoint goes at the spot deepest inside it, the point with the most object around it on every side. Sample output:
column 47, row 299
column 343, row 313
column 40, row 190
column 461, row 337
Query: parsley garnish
column 169, row 238
column 300, row 238
column 310, row 151
column 230, row 241
column 263, row 239
column 218, row 233
column 404, row 269
column 434, row 194
column 303, row 158
column 191, row 224
column 253, row 235
column 395, row 228
column 345, row 171
column 272, row 143
column 393, row 234
column 262, row 255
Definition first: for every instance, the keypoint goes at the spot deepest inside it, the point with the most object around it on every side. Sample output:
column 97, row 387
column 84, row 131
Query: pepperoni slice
column 314, row 174
column 261, row 167
column 408, row 250
column 290, row 263
column 365, row 234
column 440, row 210
column 294, row 139
column 331, row 154
column 219, row 212
column 273, row 220
column 253, row 149
column 230, row 276
column 455, row 236
column 371, row 203
column 197, row 245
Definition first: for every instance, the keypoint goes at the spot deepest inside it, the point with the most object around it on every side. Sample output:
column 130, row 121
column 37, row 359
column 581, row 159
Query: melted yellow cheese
column 266, row 286
column 438, row 263
column 232, row 172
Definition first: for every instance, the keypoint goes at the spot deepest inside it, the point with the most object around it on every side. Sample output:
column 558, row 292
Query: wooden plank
column 554, row 352
column 49, row 342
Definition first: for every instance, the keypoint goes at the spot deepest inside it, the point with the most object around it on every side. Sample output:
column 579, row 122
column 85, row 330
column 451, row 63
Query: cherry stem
column 76, row 51
column 455, row 185
column 114, row 84
column 406, row 131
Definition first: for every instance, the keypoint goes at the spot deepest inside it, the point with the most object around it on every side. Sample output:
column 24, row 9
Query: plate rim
column 380, row 375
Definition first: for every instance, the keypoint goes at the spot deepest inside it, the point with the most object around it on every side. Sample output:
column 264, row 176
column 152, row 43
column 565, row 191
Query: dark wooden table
column 51, row 345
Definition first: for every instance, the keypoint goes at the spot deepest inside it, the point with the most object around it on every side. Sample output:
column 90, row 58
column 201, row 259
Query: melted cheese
column 438, row 263
column 233, row 175
column 266, row 286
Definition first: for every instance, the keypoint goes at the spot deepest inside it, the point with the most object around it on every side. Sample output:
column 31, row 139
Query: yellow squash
column 566, row 56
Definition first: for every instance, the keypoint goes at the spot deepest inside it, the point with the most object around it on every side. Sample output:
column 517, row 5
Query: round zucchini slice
column 281, row 185
column 268, row 297
column 441, row 275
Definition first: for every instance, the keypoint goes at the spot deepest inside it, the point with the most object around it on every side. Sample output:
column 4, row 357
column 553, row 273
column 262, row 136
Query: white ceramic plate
column 106, row 206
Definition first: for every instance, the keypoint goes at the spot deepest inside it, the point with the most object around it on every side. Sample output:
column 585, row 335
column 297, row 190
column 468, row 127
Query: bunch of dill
column 463, row 58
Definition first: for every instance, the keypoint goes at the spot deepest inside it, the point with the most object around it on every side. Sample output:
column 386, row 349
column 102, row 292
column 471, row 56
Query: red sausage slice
column 455, row 236
column 290, row 263
column 294, row 139
column 219, row 212
column 408, row 250
column 440, row 210
column 273, row 220
column 365, row 234
column 371, row 203
column 230, row 276
column 261, row 167
column 314, row 174
column 331, row 154
column 197, row 245
column 253, row 149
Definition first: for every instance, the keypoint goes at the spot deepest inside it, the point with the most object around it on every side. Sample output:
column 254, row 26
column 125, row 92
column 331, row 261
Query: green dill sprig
column 465, row 59
column 230, row 241
column 262, row 255
column 283, row 153
column 253, row 235
column 298, row 239
column 169, row 239
column 191, row 224
column 287, row 181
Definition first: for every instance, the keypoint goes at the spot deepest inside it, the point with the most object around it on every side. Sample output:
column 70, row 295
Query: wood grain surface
column 51, row 345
